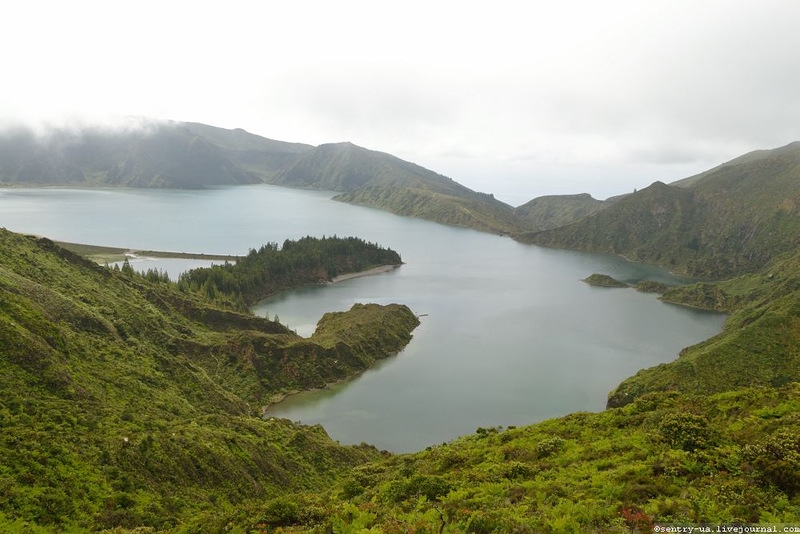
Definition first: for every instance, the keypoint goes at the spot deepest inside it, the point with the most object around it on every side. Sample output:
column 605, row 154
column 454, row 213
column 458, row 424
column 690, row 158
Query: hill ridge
column 732, row 219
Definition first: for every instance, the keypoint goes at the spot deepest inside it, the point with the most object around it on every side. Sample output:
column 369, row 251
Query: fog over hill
column 192, row 155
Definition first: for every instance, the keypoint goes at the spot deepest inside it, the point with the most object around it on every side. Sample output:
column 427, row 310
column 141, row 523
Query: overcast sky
column 520, row 99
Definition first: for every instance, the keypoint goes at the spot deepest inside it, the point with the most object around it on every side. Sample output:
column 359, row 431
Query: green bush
column 687, row 431
column 549, row 446
column 777, row 462
column 281, row 513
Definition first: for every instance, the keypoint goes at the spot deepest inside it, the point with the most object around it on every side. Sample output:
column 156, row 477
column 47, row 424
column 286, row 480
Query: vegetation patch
column 649, row 286
column 129, row 403
column 603, row 280
column 665, row 458
column 272, row 269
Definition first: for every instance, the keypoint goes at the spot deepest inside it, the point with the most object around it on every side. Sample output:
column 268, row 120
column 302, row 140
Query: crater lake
column 509, row 335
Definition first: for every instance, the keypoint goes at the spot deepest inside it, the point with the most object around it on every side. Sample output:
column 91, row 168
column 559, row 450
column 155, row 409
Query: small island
column 603, row 280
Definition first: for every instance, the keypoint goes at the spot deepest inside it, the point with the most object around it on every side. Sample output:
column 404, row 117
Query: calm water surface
column 511, row 335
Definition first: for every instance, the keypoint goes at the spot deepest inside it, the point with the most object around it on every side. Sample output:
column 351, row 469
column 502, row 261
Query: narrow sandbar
column 369, row 272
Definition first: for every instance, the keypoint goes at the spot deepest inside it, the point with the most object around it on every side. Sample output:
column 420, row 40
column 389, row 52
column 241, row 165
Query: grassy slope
column 666, row 458
column 552, row 211
column 126, row 403
column 430, row 204
column 383, row 181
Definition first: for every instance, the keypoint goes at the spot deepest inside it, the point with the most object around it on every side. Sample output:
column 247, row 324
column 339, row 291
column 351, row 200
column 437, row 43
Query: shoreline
column 279, row 397
column 369, row 272
column 102, row 254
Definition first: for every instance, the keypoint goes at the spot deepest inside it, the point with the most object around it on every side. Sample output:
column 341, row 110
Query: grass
column 103, row 255
column 666, row 458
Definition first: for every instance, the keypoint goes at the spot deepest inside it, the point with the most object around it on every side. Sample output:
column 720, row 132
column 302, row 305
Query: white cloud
column 541, row 94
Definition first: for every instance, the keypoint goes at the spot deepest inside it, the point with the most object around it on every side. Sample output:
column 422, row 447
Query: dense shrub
column 687, row 431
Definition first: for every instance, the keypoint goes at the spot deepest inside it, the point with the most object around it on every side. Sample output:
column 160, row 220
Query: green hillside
column 729, row 220
column 666, row 459
column 552, row 211
column 129, row 403
column 380, row 180
column 482, row 213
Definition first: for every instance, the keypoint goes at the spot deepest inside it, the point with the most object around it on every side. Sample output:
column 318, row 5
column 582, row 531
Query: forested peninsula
column 272, row 269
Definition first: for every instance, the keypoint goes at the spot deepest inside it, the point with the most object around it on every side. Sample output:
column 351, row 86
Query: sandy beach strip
column 369, row 272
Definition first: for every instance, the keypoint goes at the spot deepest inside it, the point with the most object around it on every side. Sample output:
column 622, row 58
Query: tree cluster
column 271, row 268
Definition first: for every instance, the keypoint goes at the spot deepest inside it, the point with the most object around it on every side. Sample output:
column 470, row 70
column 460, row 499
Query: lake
column 509, row 334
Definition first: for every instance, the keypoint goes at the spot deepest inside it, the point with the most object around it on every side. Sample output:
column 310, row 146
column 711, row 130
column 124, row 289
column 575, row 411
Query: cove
column 510, row 336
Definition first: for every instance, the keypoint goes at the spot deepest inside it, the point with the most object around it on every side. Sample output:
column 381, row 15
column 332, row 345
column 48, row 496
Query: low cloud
column 612, row 89
column 75, row 126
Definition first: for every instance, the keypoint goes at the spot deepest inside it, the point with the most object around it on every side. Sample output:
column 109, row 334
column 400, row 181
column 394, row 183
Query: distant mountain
column 255, row 154
column 727, row 220
column 345, row 167
column 192, row 155
column 164, row 155
column 384, row 181
column 552, row 211
column 731, row 219
column 747, row 159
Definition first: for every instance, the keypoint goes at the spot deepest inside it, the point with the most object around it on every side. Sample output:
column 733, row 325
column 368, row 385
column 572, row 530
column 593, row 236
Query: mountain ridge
column 729, row 220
